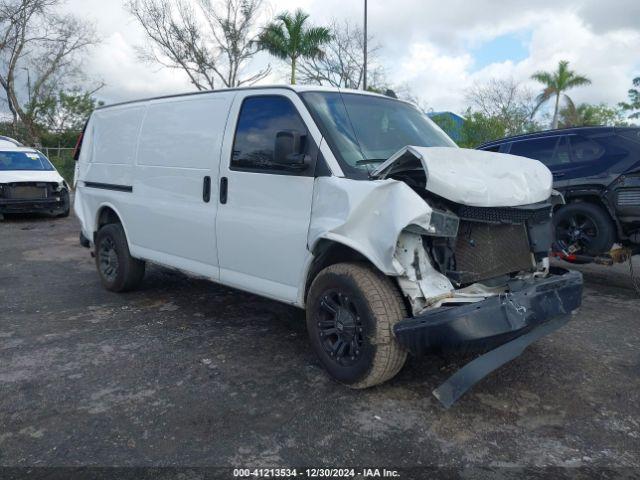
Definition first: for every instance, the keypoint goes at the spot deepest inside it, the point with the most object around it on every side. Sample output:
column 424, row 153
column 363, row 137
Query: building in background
column 450, row 122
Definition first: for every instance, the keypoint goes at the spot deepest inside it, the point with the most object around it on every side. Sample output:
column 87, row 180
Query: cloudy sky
column 437, row 48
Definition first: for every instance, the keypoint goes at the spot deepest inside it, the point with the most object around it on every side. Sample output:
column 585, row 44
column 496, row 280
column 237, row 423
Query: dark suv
column 597, row 169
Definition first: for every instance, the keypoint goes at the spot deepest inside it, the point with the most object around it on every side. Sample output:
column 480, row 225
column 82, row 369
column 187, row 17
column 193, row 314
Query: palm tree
column 555, row 84
column 289, row 39
column 634, row 100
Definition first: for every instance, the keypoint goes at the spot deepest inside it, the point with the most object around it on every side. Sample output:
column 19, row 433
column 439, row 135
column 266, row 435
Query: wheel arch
column 327, row 252
column 595, row 197
column 105, row 214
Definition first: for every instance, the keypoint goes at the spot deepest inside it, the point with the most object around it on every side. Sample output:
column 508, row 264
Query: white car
column 351, row 205
column 29, row 183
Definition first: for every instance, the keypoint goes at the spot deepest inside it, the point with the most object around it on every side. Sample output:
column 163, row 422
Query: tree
column 67, row 111
column 342, row 64
column 61, row 117
column 633, row 105
column 590, row 115
column 290, row 39
column 556, row 83
column 506, row 100
column 211, row 45
column 46, row 46
column 479, row 128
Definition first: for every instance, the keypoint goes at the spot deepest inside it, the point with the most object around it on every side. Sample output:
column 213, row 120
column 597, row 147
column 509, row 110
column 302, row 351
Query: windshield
column 24, row 161
column 364, row 130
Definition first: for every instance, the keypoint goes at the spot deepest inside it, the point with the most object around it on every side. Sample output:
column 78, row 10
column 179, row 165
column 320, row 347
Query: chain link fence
column 62, row 159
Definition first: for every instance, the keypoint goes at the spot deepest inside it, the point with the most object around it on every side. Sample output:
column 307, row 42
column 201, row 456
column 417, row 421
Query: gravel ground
column 188, row 373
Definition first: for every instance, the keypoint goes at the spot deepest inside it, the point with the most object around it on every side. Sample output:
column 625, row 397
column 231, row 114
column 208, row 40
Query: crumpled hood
column 474, row 177
column 11, row 176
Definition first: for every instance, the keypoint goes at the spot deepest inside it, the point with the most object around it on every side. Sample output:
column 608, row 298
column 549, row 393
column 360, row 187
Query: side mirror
column 289, row 149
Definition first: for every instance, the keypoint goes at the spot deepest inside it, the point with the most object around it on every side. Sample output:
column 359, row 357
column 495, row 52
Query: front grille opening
column 504, row 214
column 629, row 197
column 484, row 251
column 28, row 190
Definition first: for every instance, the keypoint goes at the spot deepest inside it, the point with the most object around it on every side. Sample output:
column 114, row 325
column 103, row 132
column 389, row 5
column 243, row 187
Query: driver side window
column 260, row 119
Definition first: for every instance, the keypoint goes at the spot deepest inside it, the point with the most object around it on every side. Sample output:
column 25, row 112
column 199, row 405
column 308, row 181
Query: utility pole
column 28, row 83
column 364, row 72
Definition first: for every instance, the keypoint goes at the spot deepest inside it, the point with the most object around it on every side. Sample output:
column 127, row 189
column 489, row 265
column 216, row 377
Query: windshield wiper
column 368, row 161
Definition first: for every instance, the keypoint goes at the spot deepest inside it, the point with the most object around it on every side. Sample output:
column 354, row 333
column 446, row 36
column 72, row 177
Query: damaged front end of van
column 466, row 234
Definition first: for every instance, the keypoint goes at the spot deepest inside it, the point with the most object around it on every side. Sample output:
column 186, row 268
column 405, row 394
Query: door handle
column 559, row 175
column 224, row 186
column 206, row 189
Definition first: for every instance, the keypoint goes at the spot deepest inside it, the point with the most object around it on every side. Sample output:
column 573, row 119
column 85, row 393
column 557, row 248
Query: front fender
column 366, row 216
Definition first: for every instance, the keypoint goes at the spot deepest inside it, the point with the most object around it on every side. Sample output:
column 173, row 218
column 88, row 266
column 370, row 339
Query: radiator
column 485, row 251
column 27, row 192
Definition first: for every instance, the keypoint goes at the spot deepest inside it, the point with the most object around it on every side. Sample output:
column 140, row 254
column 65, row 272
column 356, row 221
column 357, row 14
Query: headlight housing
column 443, row 224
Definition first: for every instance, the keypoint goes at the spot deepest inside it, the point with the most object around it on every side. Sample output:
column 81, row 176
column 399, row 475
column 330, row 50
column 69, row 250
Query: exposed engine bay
column 474, row 257
column 466, row 235
column 474, row 251
column 451, row 225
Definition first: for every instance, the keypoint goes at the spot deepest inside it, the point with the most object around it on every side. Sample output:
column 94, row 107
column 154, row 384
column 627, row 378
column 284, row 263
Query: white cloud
column 425, row 44
column 116, row 63
column 610, row 59
column 434, row 76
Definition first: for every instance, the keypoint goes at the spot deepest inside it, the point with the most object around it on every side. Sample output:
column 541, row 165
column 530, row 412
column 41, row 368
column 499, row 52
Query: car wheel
column 584, row 228
column 119, row 271
column 351, row 311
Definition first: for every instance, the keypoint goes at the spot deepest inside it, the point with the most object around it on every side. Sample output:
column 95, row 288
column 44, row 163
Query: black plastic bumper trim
column 495, row 320
column 465, row 378
column 29, row 201
column 109, row 186
column 508, row 323
column 32, row 205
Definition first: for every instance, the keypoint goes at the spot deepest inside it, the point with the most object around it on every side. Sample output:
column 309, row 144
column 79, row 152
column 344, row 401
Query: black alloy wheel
column 108, row 259
column 340, row 328
column 351, row 311
column 119, row 271
column 584, row 228
column 578, row 232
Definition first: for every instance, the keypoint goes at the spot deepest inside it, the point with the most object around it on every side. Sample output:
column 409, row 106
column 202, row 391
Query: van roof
column 294, row 88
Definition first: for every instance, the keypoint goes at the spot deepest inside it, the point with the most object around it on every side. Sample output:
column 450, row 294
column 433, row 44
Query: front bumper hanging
column 54, row 202
column 508, row 323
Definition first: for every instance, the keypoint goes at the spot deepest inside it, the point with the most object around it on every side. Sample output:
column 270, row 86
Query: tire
column 118, row 270
column 354, row 304
column 585, row 226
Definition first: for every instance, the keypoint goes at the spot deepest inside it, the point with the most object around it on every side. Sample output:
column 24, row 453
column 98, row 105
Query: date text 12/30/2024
column 315, row 473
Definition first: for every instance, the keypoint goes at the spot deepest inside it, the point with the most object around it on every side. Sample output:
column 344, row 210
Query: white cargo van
column 351, row 205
